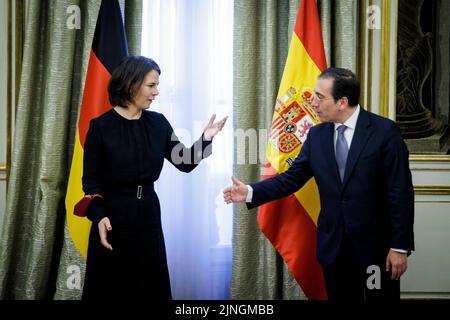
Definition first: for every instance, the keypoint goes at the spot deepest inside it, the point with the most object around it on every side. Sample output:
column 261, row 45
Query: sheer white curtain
column 192, row 42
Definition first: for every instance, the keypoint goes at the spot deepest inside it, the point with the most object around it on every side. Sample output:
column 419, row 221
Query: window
column 192, row 40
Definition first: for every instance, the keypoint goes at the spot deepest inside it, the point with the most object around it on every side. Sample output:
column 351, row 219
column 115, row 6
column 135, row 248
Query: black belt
column 136, row 190
column 139, row 192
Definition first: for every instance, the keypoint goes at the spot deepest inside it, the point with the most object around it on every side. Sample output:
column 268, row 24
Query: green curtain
column 339, row 21
column 262, row 33
column 33, row 235
column 133, row 25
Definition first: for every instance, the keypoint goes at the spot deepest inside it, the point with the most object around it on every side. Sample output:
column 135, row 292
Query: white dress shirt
column 351, row 125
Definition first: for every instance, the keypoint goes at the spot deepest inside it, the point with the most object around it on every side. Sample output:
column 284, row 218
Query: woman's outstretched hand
column 213, row 128
column 236, row 193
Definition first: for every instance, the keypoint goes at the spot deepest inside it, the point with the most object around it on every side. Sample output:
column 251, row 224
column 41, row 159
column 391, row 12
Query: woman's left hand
column 213, row 128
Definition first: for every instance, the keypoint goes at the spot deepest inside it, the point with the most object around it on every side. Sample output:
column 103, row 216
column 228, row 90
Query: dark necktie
column 341, row 150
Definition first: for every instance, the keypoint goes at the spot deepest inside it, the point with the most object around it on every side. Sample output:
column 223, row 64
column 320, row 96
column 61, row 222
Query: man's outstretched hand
column 236, row 193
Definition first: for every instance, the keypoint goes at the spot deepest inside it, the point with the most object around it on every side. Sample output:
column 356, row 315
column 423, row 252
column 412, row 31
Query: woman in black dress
column 124, row 154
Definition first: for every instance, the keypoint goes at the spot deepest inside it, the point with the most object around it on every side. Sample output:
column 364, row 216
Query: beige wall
column 428, row 275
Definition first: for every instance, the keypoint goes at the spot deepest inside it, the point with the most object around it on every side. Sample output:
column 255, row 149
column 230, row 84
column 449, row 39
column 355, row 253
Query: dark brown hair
column 345, row 84
column 127, row 78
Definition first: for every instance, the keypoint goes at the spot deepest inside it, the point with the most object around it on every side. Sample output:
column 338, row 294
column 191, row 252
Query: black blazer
column 374, row 204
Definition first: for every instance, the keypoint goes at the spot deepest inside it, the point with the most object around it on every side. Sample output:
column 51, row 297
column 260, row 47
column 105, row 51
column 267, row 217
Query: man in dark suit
column 360, row 163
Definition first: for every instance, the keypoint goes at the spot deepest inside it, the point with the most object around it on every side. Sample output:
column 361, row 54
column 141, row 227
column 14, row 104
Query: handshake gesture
column 236, row 193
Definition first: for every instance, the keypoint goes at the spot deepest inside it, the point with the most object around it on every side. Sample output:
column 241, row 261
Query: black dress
column 122, row 159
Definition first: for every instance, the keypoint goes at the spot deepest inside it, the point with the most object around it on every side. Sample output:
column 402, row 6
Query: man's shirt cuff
column 399, row 250
column 249, row 194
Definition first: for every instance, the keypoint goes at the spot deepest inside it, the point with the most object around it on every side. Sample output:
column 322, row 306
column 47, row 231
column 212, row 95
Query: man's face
column 323, row 103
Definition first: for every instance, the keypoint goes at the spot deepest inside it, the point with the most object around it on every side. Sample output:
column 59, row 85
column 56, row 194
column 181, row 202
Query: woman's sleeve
column 185, row 159
column 93, row 164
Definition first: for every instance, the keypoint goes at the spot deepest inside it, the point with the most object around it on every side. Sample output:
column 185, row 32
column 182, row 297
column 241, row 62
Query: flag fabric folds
column 109, row 47
column 291, row 223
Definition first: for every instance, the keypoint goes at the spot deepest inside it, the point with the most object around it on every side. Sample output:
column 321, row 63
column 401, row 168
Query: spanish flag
column 109, row 47
column 290, row 223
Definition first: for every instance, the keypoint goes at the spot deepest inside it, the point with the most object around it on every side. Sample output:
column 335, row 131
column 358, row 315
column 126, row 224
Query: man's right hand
column 103, row 227
column 236, row 193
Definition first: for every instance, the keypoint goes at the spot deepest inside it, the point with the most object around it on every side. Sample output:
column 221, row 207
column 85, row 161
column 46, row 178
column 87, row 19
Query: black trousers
column 347, row 279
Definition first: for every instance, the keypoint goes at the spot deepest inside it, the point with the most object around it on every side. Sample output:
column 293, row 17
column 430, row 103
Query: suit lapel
column 362, row 133
column 327, row 140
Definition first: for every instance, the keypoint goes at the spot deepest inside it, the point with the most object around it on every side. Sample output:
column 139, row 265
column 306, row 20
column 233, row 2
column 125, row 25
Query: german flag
column 109, row 47
column 290, row 223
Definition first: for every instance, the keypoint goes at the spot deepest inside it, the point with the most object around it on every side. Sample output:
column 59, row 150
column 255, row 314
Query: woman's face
column 148, row 90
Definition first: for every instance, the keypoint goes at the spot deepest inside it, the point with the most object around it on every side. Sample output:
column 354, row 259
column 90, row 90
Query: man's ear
column 344, row 103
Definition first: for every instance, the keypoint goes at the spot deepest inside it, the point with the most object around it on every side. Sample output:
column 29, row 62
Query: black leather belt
column 137, row 190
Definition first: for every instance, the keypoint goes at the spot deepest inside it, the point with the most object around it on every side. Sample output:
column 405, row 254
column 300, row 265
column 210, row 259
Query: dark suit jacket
column 374, row 204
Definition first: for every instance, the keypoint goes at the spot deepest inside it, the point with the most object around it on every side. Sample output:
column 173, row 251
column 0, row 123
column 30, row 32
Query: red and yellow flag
column 109, row 47
column 290, row 223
